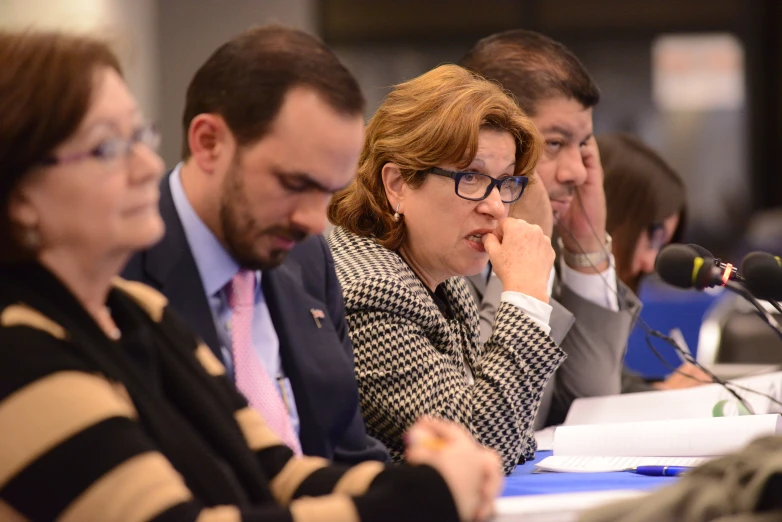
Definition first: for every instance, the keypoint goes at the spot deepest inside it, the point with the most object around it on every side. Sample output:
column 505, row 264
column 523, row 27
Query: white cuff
column 598, row 288
column 536, row 309
column 551, row 278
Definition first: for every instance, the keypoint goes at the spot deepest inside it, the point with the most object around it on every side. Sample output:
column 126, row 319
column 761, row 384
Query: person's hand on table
column 686, row 376
column 473, row 473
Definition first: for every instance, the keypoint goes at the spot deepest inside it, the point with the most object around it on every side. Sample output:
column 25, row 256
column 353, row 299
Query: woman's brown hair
column 46, row 84
column 428, row 121
column 642, row 190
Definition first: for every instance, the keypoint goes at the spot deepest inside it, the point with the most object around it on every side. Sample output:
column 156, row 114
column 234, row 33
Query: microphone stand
column 767, row 317
column 775, row 304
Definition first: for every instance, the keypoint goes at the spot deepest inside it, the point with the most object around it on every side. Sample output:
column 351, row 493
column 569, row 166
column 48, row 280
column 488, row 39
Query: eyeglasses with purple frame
column 113, row 148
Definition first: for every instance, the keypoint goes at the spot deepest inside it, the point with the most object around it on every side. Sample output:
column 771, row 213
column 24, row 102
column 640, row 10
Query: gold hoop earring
column 397, row 215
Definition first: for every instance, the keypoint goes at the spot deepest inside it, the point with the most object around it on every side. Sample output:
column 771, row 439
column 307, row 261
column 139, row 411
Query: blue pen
column 659, row 471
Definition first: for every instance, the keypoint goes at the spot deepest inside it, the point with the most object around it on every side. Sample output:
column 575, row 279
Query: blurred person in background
column 647, row 209
column 444, row 157
column 646, row 204
column 110, row 408
column 272, row 127
column 597, row 310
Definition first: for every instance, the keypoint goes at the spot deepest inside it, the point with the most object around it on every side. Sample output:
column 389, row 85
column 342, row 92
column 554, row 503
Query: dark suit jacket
column 317, row 361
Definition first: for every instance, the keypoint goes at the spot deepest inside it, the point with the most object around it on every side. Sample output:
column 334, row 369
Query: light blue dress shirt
column 217, row 268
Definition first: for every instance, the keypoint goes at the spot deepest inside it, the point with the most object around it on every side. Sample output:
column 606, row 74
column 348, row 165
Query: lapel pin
column 317, row 315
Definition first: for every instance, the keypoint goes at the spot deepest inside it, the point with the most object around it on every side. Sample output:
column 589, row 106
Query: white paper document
column 689, row 403
column 545, row 438
column 680, row 442
column 708, row 437
column 582, row 464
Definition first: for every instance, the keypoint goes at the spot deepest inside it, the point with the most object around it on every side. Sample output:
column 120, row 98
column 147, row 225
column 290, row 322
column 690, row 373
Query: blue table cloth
column 524, row 482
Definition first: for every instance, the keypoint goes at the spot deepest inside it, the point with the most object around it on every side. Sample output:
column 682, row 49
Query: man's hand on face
column 534, row 207
column 586, row 217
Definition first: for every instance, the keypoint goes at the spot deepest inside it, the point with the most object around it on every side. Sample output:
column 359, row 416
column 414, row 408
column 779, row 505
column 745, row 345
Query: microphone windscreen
column 675, row 264
column 763, row 275
column 701, row 251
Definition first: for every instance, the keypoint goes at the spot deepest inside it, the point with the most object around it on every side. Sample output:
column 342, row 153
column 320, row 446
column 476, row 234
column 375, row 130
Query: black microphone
column 685, row 267
column 735, row 275
column 763, row 273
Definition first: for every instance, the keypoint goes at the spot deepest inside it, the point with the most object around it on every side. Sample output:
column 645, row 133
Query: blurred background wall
column 131, row 26
column 700, row 81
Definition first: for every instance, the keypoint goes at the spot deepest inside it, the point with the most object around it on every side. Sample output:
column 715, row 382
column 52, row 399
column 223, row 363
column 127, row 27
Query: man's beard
column 562, row 192
column 558, row 194
column 241, row 232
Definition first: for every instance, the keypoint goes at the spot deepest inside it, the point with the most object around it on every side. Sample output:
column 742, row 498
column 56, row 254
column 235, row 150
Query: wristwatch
column 591, row 260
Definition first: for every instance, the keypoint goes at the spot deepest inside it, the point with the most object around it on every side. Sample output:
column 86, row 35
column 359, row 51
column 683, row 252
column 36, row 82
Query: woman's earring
column 31, row 238
column 396, row 213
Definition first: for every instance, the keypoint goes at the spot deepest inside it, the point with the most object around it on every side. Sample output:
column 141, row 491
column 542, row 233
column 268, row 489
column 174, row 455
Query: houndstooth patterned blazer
column 410, row 360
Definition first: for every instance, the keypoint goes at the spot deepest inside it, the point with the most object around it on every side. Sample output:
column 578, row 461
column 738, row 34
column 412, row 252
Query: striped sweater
column 150, row 429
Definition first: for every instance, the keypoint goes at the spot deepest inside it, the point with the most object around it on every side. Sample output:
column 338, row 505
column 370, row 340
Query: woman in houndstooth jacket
column 406, row 232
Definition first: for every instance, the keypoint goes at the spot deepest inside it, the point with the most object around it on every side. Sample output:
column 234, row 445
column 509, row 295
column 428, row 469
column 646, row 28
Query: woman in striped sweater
column 110, row 409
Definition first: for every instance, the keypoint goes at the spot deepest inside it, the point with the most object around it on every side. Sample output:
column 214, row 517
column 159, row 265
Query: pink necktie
column 251, row 376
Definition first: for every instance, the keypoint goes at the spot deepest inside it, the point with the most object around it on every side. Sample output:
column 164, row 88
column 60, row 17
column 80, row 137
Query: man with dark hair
column 534, row 68
column 273, row 126
column 593, row 312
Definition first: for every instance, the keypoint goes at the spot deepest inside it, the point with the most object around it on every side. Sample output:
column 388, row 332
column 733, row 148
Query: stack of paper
column 698, row 402
column 680, row 442
column 583, row 464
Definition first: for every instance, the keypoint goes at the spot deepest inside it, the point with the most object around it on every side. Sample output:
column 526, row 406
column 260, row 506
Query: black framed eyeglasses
column 475, row 186
column 113, row 148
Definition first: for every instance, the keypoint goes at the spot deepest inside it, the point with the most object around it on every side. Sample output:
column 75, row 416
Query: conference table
column 561, row 497
column 523, row 481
